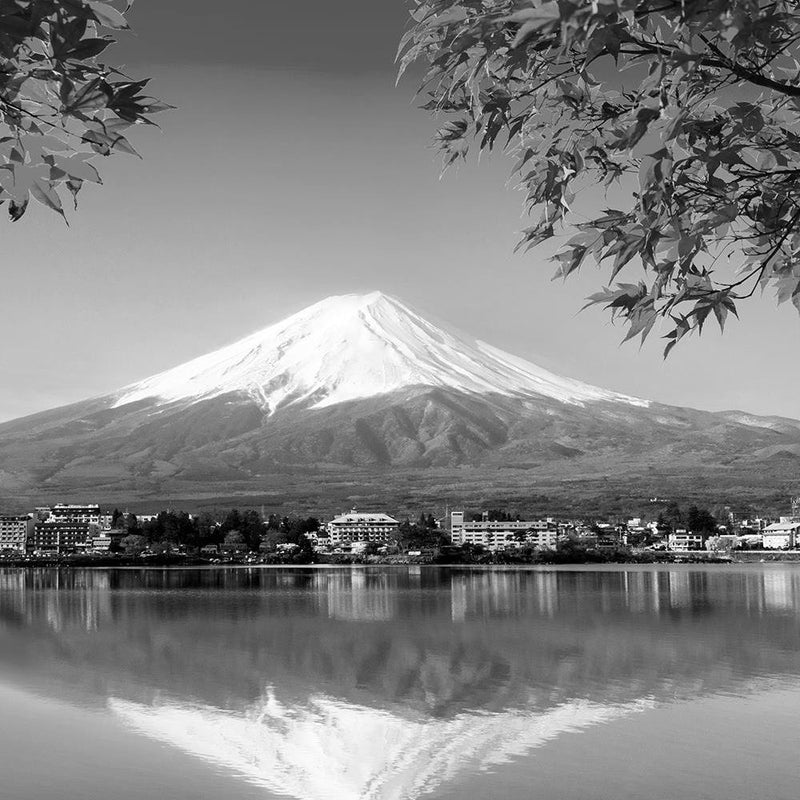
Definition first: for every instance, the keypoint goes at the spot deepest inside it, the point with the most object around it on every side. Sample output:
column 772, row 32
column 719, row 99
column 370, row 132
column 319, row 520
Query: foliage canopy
column 691, row 106
column 60, row 106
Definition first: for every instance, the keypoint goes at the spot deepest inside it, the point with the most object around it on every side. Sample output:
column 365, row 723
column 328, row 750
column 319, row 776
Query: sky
column 294, row 169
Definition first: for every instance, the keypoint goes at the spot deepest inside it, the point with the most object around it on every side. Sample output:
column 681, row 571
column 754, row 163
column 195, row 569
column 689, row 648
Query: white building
column 83, row 514
column 495, row 535
column 682, row 541
column 362, row 527
column 102, row 543
column 781, row 535
column 14, row 533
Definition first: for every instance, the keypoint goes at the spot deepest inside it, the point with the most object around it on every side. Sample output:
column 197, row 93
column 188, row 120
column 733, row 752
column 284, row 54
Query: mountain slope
column 363, row 385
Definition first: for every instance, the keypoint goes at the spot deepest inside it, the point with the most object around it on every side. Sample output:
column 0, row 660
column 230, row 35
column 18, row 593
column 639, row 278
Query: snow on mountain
column 352, row 347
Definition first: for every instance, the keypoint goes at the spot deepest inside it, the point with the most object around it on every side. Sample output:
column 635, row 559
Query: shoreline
column 746, row 558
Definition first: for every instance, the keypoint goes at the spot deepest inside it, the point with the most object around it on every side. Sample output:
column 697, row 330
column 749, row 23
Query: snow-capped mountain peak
column 351, row 347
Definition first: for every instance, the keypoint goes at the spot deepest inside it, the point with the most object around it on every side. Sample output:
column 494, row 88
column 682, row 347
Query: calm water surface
column 372, row 684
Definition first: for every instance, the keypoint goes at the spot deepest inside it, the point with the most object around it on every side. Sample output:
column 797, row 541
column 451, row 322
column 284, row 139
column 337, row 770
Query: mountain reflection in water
column 328, row 749
column 383, row 684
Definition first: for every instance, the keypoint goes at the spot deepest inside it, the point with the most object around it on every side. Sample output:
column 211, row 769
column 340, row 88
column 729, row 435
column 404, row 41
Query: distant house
column 682, row 541
column 320, row 540
column 781, row 536
column 231, row 548
column 424, row 553
column 101, row 543
column 607, row 543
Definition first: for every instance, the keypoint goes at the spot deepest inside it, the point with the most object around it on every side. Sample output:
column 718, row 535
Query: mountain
column 359, row 396
column 354, row 347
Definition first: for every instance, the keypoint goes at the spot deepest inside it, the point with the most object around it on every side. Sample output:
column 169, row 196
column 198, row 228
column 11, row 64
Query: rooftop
column 354, row 517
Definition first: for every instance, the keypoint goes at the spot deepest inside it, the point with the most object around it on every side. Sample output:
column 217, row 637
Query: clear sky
column 292, row 170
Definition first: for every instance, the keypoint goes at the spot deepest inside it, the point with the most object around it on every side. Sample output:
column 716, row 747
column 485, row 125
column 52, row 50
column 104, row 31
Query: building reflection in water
column 376, row 671
column 359, row 595
column 84, row 597
column 37, row 595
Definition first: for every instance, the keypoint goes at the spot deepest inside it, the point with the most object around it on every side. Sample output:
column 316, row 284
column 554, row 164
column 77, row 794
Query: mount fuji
column 353, row 347
column 361, row 388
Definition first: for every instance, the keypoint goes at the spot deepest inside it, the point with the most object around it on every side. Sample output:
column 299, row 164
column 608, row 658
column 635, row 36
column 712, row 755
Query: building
column 14, row 533
column 496, row 535
column 87, row 515
column 144, row 518
column 101, row 543
column 320, row 540
column 542, row 538
column 606, row 542
column 362, row 527
column 60, row 538
column 782, row 535
column 682, row 541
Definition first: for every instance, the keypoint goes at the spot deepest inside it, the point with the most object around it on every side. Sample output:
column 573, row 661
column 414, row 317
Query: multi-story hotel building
column 61, row 537
column 495, row 535
column 88, row 514
column 14, row 533
column 357, row 527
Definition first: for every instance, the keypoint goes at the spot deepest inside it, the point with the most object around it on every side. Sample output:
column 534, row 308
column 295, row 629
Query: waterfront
column 620, row 682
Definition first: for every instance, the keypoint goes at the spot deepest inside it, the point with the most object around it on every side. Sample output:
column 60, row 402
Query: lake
column 391, row 684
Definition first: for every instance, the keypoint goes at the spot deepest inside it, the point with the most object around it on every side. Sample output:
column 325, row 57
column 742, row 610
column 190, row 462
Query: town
column 67, row 532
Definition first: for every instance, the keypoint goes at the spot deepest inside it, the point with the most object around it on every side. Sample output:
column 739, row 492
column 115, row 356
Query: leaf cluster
column 60, row 105
column 691, row 107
